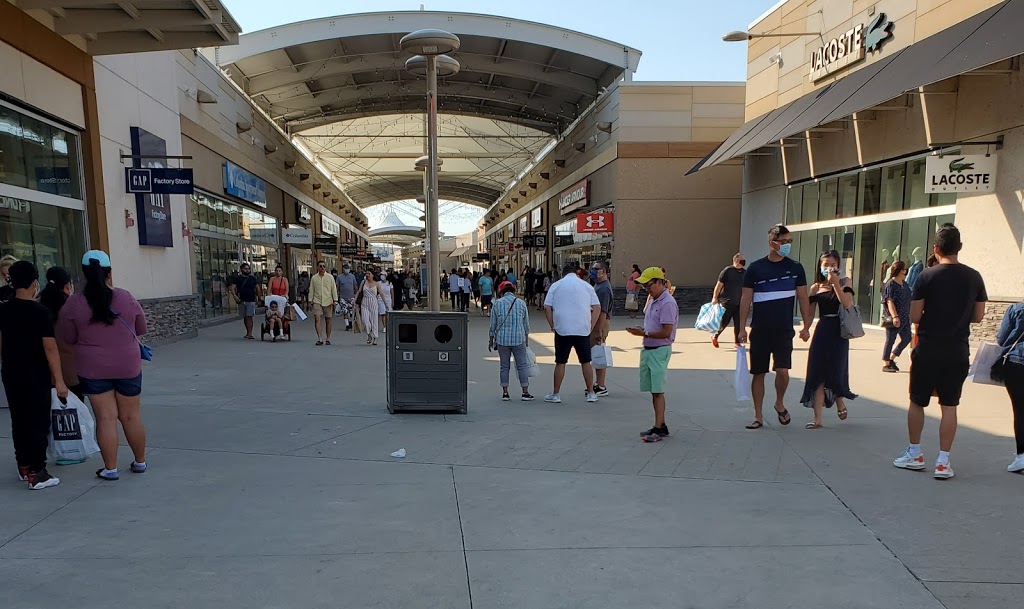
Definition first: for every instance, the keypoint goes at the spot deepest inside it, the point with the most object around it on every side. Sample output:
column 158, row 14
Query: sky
column 679, row 39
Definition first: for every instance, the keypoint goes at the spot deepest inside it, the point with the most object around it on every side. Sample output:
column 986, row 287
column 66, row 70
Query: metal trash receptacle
column 427, row 367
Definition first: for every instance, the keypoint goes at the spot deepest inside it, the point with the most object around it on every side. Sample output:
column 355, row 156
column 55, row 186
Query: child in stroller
column 275, row 323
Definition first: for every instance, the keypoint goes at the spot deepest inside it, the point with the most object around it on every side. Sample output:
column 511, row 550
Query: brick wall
column 171, row 319
column 986, row 330
column 689, row 299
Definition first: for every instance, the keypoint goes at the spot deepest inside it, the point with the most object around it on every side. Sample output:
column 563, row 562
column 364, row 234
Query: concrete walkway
column 271, row 485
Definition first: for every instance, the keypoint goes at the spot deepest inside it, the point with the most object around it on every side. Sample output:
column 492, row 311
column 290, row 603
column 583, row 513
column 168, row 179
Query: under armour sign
column 595, row 222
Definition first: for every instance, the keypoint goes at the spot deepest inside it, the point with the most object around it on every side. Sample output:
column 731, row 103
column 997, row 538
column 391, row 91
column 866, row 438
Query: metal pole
column 434, row 256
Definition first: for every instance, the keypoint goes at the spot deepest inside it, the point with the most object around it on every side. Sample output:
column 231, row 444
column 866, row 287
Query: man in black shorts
column 771, row 286
column 572, row 310
column 948, row 298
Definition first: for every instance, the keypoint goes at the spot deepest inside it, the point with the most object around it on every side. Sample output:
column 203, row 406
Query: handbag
column 631, row 304
column 887, row 320
column 986, row 359
column 998, row 370
column 850, row 323
column 359, row 295
column 145, row 351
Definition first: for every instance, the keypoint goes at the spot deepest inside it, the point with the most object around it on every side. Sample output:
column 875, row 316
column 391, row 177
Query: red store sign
column 595, row 222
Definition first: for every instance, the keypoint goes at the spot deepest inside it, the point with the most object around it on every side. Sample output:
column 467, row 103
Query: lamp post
column 745, row 36
column 430, row 60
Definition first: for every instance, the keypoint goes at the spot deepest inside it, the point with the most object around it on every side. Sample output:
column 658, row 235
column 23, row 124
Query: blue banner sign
column 158, row 181
column 244, row 185
column 153, row 209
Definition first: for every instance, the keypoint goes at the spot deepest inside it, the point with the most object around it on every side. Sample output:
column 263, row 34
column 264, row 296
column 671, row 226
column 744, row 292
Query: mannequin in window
column 884, row 269
column 915, row 268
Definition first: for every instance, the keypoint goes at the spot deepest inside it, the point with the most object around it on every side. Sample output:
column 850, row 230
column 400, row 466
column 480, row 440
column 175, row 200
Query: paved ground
column 271, row 485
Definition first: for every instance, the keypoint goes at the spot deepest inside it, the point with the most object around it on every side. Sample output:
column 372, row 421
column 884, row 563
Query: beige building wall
column 771, row 84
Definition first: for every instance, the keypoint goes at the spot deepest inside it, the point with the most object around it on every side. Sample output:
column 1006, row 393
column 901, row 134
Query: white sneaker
column 554, row 398
column 905, row 461
column 591, row 396
column 1017, row 465
column 943, row 471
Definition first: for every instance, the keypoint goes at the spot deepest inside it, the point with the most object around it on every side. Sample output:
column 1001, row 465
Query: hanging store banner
column 297, row 236
column 960, row 173
column 244, row 185
column 536, row 218
column 528, row 242
column 574, row 197
column 595, row 222
column 349, row 249
column 153, row 210
column 524, row 224
column 329, row 226
column 326, row 244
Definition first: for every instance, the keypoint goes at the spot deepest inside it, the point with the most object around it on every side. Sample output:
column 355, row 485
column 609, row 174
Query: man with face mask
column 6, row 291
column 347, row 284
column 247, row 290
column 30, row 361
column 771, row 286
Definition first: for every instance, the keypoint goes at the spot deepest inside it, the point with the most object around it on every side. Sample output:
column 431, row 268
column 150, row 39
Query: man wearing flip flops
column 659, row 331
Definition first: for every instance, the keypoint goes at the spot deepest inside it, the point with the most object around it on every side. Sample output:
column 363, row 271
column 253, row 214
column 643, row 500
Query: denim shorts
column 126, row 387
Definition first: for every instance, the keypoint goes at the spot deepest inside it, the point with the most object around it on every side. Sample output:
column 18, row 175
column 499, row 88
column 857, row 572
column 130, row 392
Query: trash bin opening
column 443, row 334
column 407, row 333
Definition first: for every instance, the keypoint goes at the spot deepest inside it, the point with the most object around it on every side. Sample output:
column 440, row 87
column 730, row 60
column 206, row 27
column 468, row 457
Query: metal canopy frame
column 340, row 86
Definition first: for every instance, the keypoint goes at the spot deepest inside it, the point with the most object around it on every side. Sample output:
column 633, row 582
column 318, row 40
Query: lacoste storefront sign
column 960, row 173
column 850, row 47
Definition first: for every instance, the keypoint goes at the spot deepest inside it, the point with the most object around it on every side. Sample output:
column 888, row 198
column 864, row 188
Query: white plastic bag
column 532, row 358
column 981, row 367
column 299, row 311
column 601, row 356
column 742, row 377
column 72, row 430
column 710, row 318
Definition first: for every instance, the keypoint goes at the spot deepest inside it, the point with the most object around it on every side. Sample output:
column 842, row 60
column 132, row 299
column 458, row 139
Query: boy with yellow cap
column 659, row 332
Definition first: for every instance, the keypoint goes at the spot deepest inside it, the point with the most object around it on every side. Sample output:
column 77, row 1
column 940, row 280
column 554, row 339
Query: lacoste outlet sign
column 850, row 47
column 960, row 173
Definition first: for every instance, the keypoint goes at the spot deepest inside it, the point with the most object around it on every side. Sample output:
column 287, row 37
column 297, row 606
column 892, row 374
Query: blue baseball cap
column 99, row 256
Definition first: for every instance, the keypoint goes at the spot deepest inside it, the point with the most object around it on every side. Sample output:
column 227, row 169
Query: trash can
column 426, row 361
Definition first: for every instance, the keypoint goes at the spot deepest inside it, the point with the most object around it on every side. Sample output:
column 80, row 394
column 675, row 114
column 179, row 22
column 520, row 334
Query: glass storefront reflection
column 43, row 234
column 37, row 155
column 867, row 251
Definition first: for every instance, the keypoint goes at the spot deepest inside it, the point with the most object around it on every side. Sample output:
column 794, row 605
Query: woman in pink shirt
column 102, row 324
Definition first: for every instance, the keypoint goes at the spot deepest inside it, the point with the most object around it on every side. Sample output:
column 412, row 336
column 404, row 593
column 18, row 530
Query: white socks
column 109, row 472
column 915, row 450
column 943, row 458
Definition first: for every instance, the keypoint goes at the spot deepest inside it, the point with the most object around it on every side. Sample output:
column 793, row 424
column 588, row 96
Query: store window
column 225, row 235
column 867, row 250
column 45, row 235
column 37, row 155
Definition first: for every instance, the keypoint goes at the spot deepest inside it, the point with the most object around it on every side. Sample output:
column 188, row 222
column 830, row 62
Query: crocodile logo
column 955, row 166
column 878, row 31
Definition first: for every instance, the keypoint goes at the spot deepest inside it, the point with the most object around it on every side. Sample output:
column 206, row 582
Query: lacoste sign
column 850, row 47
column 960, row 173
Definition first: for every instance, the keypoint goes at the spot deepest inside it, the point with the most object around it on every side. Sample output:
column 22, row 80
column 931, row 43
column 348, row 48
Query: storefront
column 42, row 207
column 225, row 235
column 585, row 231
column 916, row 125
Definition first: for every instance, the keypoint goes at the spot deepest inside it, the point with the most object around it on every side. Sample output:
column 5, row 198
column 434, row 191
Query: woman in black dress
column 828, row 362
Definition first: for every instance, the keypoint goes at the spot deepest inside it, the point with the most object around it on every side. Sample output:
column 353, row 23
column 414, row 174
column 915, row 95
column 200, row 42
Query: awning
column 459, row 252
column 986, row 38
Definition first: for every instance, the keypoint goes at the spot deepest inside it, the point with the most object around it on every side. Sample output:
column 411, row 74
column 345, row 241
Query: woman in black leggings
column 1010, row 334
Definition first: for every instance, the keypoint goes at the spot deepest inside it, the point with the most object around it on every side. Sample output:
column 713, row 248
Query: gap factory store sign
column 960, row 173
column 850, row 47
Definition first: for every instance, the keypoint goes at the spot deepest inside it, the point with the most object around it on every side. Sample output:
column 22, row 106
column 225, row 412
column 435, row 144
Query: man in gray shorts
column 347, row 285
column 247, row 290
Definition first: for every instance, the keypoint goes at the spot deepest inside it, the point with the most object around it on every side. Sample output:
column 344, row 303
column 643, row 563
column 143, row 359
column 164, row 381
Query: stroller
column 286, row 326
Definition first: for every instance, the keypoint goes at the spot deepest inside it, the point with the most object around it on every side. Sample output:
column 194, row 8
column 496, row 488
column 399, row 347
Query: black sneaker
column 42, row 479
column 600, row 391
column 656, row 431
column 505, row 396
column 890, row 367
column 23, row 473
column 527, row 397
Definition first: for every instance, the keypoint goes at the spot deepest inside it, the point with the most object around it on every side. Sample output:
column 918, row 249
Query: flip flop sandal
column 813, row 425
column 651, row 438
column 755, row 425
column 784, row 417
column 843, row 414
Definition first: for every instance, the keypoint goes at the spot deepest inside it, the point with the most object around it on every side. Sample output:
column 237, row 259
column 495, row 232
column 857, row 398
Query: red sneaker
column 714, row 341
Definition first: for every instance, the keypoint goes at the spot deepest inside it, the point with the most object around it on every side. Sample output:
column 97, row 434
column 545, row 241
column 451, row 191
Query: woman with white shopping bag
column 1011, row 369
column 510, row 333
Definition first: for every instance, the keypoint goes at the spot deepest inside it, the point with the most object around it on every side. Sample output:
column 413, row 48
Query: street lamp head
column 424, row 161
column 430, row 42
column 445, row 65
column 737, row 37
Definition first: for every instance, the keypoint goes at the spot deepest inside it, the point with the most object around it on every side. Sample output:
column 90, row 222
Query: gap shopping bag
column 710, row 318
column 601, row 356
column 72, row 430
column 742, row 378
column 299, row 311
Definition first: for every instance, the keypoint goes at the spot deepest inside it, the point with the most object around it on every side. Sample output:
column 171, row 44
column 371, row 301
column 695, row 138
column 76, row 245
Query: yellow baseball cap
column 649, row 274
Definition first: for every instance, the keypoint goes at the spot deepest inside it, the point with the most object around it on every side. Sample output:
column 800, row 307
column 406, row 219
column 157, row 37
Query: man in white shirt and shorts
column 572, row 309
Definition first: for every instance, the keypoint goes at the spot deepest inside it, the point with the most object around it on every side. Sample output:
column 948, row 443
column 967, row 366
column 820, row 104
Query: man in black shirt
column 247, row 290
column 947, row 299
column 31, row 365
column 771, row 287
column 728, row 291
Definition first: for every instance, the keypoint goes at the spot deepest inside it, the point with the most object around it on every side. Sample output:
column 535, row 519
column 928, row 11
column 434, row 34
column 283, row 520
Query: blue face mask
column 825, row 272
column 593, row 275
column 784, row 249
